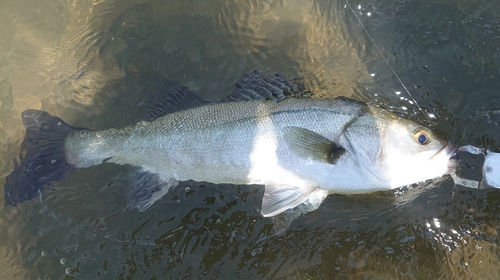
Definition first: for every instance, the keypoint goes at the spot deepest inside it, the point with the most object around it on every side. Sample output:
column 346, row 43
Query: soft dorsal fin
column 172, row 98
column 309, row 144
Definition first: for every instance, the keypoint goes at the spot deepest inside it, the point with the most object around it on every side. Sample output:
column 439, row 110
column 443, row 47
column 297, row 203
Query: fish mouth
column 448, row 149
column 450, row 152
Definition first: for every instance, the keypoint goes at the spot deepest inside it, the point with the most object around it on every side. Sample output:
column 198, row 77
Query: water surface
column 93, row 62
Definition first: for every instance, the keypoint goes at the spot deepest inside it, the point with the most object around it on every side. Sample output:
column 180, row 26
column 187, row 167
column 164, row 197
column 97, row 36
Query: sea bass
column 300, row 149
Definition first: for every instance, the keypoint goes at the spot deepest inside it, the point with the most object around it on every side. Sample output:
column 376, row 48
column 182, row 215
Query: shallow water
column 93, row 62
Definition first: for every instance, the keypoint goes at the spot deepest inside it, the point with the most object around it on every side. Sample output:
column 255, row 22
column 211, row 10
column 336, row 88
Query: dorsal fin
column 258, row 86
column 255, row 86
column 172, row 98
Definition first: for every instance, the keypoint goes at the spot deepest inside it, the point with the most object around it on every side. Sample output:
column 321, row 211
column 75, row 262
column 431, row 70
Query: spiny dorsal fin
column 309, row 144
column 256, row 86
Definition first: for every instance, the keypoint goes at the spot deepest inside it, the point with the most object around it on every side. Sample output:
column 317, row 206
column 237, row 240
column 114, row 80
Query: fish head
column 394, row 152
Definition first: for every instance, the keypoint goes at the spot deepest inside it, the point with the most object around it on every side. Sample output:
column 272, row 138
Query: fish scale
column 211, row 145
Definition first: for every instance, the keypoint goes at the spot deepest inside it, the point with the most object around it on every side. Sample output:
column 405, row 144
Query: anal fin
column 147, row 188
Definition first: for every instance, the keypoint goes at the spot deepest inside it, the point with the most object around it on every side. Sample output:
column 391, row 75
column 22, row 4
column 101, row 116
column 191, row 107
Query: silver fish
column 300, row 149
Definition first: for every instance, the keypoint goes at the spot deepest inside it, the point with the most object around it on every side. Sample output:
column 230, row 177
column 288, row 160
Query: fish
column 267, row 132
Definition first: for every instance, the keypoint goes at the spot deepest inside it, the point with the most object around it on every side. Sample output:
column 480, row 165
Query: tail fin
column 43, row 158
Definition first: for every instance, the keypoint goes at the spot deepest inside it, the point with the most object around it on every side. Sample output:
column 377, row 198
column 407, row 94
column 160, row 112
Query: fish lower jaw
column 452, row 165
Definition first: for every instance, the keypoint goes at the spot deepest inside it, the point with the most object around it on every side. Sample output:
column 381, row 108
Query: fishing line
column 383, row 56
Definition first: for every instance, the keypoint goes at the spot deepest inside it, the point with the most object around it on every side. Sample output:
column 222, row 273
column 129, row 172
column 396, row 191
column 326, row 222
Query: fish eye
column 422, row 136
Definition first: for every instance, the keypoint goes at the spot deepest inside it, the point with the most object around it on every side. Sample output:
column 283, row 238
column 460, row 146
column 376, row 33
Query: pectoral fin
column 309, row 144
column 281, row 198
